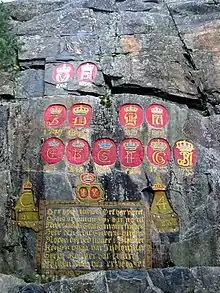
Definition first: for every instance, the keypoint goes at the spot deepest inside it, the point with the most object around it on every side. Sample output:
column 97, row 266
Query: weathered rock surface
column 170, row 280
column 7, row 282
column 146, row 52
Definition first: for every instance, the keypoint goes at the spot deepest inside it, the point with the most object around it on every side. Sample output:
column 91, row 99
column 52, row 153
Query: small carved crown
column 53, row 143
column 78, row 144
column 27, row 185
column 87, row 67
column 56, row 110
column 130, row 145
column 158, row 145
column 105, row 145
column 131, row 108
column 88, row 178
column 184, row 146
column 156, row 110
column 65, row 68
column 81, row 110
column 158, row 185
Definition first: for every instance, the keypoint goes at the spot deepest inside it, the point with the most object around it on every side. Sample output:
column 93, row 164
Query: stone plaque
column 95, row 236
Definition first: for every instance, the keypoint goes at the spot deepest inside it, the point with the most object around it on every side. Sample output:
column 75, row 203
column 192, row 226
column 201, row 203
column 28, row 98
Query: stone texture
column 178, row 280
column 6, row 85
column 29, row 84
column 6, row 282
column 164, row 52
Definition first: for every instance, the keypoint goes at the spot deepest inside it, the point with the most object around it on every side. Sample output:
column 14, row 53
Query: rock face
column 7, row 282
column 170, row 280
column 141, row 53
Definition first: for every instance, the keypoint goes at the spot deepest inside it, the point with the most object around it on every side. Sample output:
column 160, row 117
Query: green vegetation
column 106, row 100
column 9, row 44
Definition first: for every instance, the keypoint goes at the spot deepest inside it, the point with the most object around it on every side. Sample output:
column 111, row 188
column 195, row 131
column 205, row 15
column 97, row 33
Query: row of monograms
column 131, row 152
column 130, row 116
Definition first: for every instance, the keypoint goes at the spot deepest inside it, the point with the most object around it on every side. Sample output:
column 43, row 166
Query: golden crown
column 56, row 110
column 158, row 145
column 130, row 146
column 159, row 186
column 81, row 110
column 184, row 146
column 156, row 110
column 131, row 108
column 27, row 185
column 65, row 68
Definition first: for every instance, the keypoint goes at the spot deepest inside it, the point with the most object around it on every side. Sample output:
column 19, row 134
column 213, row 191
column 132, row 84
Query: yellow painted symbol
column 165, row 220
column 186, row 160
column 25, row 213
column 157, row 119
column 130, row 119
column 79, row 121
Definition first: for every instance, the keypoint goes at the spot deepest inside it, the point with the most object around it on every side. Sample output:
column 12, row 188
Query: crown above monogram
column 81, row 110
column 131, row 108
column 184, row 146
column 159, row 145
column 64, row 68
column 156, row 110
column 56, row 110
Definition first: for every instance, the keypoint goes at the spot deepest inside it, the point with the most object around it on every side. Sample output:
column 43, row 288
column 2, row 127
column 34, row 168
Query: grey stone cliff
column 147, row 52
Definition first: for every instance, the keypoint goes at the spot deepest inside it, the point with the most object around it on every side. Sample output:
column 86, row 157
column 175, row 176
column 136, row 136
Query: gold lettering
column 157, row 119
column 186, row 160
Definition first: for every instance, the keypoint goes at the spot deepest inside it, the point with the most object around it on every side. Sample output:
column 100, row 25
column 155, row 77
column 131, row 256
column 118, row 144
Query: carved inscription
column 131, row 115
column 83, row 237
column 63, row 73
column 71, row 142
column 104, row 152
column 157, row 116
column 158, row 152
column 131, row 152
column 77, row 151
column 52, row 150
column 54, row 116
column 86, row 73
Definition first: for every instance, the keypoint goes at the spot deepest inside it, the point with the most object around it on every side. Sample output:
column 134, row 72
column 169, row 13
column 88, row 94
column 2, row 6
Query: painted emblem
column 80, row 116
column 89, row 190
column 52, row 150
column 88, row 178
column 63, row 72
column 77, row 151
column 164, row 218
column 184, row 153
column 157, row 116
column 54, row 116
column 86, row 73
column 104, row 152
column 131, row 115
column 131, row 153
column 158, row 152
column 25, row 213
